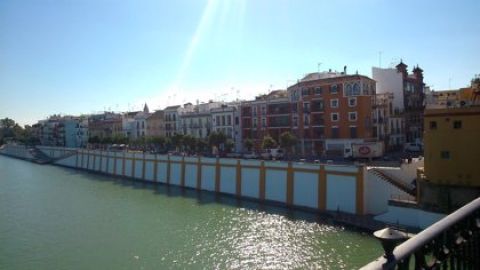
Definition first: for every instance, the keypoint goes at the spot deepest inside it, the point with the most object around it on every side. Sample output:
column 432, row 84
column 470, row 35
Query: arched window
column 349, row 90
column 356, row 89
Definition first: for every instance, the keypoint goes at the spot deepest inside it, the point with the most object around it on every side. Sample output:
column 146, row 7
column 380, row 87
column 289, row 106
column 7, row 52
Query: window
column 353, row 132
column 333, row 89
column 352, row 116
column 236, row 120
column 356, row 89
column 335, row 132
column 306, row 107
column 295, row 107
column 264, row 109
column 433, row 125
column 254, row 122
column 318, row 91
column 264, row 122
column 352, row 102
column 304, row 92
column 457, row 124
column 445, row 154
column 229, row 120
column 306, row 119
column 334, row 103
column 334, row 117
column 348, row 90
column 295, row 121
column 218, row 120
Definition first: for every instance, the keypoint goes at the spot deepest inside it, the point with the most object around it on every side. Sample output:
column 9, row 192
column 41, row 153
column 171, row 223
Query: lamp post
column 390, row 238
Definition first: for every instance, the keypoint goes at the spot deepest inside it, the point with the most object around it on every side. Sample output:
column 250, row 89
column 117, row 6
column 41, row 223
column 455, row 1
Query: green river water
column 58, row 218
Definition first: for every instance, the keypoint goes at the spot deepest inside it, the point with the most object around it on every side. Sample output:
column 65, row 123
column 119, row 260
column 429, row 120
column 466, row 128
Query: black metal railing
column 451, row 243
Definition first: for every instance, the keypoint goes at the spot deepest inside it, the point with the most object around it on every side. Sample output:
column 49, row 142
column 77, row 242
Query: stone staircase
column 394, row 181
column 42, row 158
column 38, row 156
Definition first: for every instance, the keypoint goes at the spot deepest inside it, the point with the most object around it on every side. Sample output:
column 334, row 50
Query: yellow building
column 452, row 146
column 451, row 174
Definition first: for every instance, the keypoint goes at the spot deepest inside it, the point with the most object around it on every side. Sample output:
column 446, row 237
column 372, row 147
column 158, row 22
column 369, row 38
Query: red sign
column 364, row 150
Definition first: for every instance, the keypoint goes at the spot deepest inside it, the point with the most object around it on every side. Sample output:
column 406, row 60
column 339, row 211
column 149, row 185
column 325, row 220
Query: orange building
column 331, row 110
column 327, row 112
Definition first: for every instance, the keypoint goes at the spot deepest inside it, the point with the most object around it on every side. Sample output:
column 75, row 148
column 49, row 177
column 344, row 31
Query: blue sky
column 74, row 57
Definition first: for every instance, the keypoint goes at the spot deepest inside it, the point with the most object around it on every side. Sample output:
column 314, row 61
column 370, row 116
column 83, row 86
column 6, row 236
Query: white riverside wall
column 19, row 151
column 315, row 186
column 349, row 189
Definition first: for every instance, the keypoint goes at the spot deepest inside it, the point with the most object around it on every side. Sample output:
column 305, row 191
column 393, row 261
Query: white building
column 128, row 123
column 197, row 121
column 389, row 126
column 139, row 124
column 226, row 119
column 173, row 123
column 389, row 80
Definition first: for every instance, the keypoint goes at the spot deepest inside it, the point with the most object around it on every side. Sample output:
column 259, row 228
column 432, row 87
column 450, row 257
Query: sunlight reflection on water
column 251, row 239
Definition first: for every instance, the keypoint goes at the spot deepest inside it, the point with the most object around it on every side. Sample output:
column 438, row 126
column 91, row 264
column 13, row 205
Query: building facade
column 266, row 115
column 105, row 125
column 451, row 174
column 226, row 119
column 156, row 124
column 389, row 125
column 331, row 110
column 66, row 131
column 408, row 96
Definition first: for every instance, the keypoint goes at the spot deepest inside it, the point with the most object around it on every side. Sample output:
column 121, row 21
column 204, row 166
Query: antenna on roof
column 318, row 66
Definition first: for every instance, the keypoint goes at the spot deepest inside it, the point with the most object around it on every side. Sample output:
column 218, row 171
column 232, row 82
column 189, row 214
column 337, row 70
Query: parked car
column 250, row 155
column 234, row 155
column 274, row 153
column 413, row 147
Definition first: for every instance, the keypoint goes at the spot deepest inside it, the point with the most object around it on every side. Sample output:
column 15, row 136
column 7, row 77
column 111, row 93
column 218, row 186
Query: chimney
column 345, row 70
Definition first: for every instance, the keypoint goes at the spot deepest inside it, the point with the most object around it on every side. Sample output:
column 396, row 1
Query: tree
column 120, row 139
column 202, row 145
column 177, row 141
column 216, row 139
column 106, row 140
column 268, row 142
column 248, row 143
column 287, row 141
column 190, row 143
column 94, row 139
column 229, row 145
column 7, row 123
column 158, row 141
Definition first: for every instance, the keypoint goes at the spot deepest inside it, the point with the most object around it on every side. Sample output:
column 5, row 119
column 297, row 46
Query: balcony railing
column 451, row 243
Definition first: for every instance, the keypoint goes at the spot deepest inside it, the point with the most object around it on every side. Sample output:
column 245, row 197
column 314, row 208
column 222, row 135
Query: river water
column 58, row 218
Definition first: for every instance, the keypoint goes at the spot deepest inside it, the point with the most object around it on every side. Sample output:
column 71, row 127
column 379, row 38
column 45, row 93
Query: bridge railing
column 451, row 243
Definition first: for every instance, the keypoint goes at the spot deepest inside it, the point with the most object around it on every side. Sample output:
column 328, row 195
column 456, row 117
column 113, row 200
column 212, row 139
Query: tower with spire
column 145, row 108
